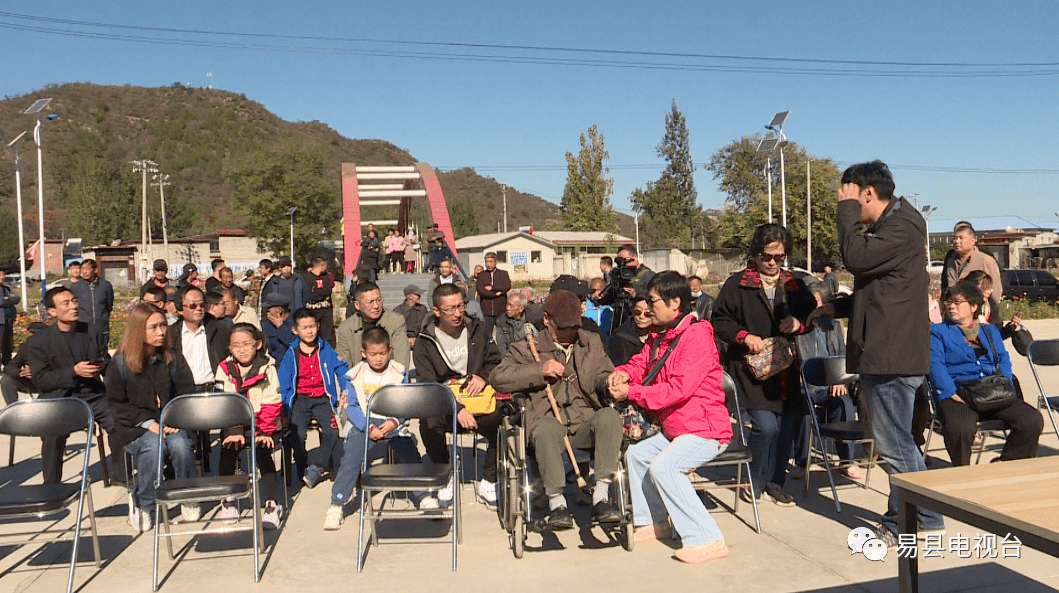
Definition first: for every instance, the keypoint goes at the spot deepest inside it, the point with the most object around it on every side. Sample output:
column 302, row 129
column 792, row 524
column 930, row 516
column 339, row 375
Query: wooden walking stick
column 531, row 339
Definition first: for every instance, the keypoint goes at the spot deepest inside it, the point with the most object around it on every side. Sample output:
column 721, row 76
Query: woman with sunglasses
column 628, row 339
column 752, row 306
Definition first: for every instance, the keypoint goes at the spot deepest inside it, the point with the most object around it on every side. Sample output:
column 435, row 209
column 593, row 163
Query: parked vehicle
column 1032, row 285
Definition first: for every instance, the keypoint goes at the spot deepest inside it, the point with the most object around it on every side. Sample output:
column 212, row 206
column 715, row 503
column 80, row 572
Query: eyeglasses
column 453, row 310
column 642, row 313
column 767, row 257
column 652, row 300
column 373, row 302
column 242, row 345
column 956, row 302
column 194, row 306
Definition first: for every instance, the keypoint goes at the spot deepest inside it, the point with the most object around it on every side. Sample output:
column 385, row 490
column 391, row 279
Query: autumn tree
column 668, row 206
column 585, row 205
column 741, row 174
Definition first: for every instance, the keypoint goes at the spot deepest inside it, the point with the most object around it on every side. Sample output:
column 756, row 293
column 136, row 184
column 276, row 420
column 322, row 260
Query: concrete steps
column 392, row 287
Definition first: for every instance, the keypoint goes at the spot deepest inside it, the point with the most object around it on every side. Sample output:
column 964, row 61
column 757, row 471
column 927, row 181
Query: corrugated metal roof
column 567, row 237
column 987, row 224
column 483, row 241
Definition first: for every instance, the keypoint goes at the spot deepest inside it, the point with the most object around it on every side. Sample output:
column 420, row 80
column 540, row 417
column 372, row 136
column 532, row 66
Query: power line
column 866, row 68
column 929, row 168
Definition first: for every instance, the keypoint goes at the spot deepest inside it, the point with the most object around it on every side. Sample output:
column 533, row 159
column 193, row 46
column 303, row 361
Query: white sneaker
column 445, row 494
column 429, row 504
column 143, row 522
column 487, row 493
column 229, row 511
column 333, row 519
column 190, row 512
column 271, row 515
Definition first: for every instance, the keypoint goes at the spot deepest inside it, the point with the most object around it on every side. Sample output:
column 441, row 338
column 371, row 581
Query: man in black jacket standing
column 66, row 360
column 888, row 341
column 199, row 338
column 454, row 346
column 95, row 297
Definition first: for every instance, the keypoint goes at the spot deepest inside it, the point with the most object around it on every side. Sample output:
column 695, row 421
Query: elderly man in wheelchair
column 563, row 370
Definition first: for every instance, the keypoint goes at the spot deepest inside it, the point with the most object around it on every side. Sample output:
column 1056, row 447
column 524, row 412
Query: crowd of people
column 584, row 354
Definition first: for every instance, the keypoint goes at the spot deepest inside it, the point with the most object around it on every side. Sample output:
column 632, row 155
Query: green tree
column 668, row 206
column 8, row 237
column 740, row 172
column 464, row 218
column 586, row 198
column 267, row 181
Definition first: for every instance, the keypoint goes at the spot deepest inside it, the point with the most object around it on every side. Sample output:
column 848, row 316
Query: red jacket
column 686, row 394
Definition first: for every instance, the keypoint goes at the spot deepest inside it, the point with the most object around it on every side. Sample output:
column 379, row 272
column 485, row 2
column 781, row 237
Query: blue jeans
column 304, row 409
column 353, row 458
column 771, row 438
column 177, row 447
column 660, row 487
column 889, row 401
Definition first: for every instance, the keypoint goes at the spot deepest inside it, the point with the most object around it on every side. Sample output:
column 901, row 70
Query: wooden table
column 1014, row 497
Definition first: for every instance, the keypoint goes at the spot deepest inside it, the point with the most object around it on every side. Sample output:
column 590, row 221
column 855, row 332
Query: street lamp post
column 776, row 125
column 927, row 210
column 290, row 213
column 21, row 232
column 35, row 109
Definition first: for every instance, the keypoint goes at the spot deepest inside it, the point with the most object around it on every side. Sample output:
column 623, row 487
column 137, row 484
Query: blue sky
column 499, row 116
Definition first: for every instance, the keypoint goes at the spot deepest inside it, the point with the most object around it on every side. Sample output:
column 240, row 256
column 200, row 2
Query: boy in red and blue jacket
column 311, row 378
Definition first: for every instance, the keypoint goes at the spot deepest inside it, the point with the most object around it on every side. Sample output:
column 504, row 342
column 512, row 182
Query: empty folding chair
column 419, row 400
column 825, row 371
column 50, row 418
column 1045, row 353
column 206, row 412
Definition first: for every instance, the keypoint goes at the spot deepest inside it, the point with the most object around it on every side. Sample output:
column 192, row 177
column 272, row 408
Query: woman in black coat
column 758, row 303
column 628, row 339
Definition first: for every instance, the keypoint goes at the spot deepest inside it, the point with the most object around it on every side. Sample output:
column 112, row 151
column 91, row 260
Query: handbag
column 772, row 360
column 988, row 394
column 639, row 424
column 478, row 405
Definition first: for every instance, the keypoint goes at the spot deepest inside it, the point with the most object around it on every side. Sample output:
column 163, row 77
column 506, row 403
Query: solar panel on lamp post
column 776, row 125
column 35, row 109
column 21, row 230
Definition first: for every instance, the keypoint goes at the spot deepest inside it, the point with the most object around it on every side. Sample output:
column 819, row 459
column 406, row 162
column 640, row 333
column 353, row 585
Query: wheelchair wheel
column 625, row 496
column 518, row 536
column 503, row 483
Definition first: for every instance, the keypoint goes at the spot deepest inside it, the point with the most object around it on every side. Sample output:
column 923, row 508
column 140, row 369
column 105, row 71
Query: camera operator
column 627, row 279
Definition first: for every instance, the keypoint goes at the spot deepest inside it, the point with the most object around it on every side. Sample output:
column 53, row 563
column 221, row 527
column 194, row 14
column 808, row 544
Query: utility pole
column 162, row 180
column 808, row 216
column 144, row 166
column 504, row 190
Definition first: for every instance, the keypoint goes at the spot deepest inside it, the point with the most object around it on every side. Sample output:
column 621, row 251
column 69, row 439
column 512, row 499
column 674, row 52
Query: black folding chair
column 419, row 400
column 50, row 418
column 737, row 454
column 206, row 412
column 825, row 371
column 1045, row 353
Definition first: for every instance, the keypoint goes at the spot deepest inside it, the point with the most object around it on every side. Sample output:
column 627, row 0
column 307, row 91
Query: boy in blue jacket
column 312, row 378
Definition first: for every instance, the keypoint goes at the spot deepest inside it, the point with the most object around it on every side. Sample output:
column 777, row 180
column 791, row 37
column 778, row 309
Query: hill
column 190, row 133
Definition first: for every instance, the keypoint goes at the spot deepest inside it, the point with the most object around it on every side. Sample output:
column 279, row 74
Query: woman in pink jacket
column 687, row 396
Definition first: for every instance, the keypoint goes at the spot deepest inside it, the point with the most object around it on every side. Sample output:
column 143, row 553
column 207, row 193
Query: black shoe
column 778, row 496
column 560, row 519
column 606, row 512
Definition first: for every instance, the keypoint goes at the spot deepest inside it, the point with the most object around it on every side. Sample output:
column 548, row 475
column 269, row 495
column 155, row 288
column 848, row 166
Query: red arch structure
column 367, row 187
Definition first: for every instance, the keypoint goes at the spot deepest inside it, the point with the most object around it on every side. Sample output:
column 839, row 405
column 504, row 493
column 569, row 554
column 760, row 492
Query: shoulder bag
column 988, row 394
column 772, row 360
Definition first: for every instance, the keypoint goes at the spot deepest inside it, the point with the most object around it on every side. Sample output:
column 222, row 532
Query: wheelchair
column 521, row 503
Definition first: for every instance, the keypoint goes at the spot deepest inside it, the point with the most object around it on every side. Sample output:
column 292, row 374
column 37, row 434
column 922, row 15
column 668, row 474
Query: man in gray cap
column 581, row 290
column 575, row 366
column 414, row 312
column 159, row 278
column 277, row 326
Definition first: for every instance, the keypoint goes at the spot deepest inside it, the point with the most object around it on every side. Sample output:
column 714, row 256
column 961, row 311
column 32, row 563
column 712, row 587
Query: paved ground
column 801, row 549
